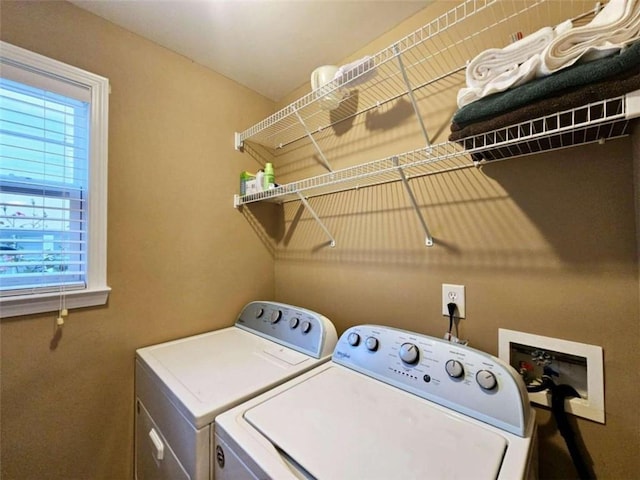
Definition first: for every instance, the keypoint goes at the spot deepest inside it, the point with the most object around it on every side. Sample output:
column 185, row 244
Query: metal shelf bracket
column 410, row 93
column 305, row 202
column 313, row 140
column 414, row 203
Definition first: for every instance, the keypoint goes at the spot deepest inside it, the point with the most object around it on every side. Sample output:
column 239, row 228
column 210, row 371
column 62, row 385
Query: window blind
column 44, row 160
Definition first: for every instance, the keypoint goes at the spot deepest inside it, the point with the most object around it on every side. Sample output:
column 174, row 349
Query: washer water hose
column 558, row 395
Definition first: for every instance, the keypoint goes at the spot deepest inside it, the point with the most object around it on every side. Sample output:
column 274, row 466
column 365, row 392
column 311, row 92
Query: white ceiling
column 270, row 46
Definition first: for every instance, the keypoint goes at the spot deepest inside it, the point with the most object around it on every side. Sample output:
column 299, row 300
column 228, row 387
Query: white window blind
column 43, row 189
column 52, row 183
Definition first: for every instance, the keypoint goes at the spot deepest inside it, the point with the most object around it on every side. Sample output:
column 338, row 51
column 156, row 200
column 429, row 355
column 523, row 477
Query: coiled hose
column 558, row 395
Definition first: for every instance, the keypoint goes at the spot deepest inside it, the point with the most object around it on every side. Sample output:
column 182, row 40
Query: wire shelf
column 595, row 122
column 423, row 161
column 378, row 81
column 418, row 66
column 422, row 59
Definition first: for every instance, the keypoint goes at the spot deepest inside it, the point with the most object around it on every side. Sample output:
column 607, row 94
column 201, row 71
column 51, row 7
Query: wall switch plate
column 455, row 294
column 576, row 364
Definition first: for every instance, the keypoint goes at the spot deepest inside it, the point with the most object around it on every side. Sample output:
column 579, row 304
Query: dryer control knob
column 371, row 343
column 276, row 315
column 409, row 353
column 353, row 339
column 293, row 323
column 486, row 379
column 259, row 312
column 454, row 368
column 306, row 326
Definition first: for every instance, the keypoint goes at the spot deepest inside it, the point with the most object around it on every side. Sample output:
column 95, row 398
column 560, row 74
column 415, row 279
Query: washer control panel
column 455, row 376
column 295, row 327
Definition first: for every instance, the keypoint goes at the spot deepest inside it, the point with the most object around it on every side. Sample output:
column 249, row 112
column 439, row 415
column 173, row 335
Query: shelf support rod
column 313, row 140
column 412, row 97
column 414, row 203
column 305, row 202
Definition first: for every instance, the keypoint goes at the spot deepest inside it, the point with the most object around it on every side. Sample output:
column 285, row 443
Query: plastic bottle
column 244, row 178
column 269, row 177
column 260, row 180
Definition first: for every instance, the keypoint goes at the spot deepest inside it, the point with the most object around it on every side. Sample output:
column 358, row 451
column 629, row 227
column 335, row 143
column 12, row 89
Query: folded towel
column 498, row 69
column 575, row 76
column 357, row 72
column 523, row 73
column 562, row 100
column 495, row 62
column 617, row 25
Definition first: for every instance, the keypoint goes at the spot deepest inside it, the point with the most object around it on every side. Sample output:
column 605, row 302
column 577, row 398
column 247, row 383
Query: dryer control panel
column 457, row 377
column 295, row 327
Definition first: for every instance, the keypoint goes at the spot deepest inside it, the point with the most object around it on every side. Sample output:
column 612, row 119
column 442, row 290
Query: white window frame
column 96, row 292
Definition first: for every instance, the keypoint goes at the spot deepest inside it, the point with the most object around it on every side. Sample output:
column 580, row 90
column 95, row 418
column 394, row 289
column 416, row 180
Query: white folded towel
column 616, row 26
column 498, row 69
column 496, row 62
column 524, row 73
column 353, row 73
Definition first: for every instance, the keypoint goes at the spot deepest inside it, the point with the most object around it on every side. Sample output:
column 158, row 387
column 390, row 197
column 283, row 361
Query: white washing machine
column 182, row 385
column 390, row 404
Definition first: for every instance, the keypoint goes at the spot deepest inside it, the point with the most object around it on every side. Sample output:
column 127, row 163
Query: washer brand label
column 342, row 355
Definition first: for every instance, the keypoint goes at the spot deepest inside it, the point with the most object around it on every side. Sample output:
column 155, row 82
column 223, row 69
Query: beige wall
column 181, row 259
column 544, row 244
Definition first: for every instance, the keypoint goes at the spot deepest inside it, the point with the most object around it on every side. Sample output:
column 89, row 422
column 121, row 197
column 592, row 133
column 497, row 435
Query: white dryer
column 182, row 385
column 390, row 404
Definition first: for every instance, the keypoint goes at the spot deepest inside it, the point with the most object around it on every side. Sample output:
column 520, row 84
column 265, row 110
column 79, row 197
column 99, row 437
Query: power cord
column 452, row 307
column 452, row 310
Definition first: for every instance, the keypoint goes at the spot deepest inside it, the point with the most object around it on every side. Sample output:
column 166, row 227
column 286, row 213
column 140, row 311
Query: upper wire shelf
column 593, row 122
column 421, row 59
column 378, row 79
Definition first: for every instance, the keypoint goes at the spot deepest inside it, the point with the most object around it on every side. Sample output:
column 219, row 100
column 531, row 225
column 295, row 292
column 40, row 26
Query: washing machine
column 182, row 385
column 390, row 404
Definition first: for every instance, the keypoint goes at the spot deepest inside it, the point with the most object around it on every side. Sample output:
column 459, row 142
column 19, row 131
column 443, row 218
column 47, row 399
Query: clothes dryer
column 182, row 385
column 390, row 404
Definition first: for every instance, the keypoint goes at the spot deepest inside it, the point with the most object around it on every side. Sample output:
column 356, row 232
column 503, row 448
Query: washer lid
column 212, row 372
column 342, row 425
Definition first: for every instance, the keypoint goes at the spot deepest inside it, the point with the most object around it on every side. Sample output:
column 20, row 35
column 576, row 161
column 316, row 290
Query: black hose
column 558, row 395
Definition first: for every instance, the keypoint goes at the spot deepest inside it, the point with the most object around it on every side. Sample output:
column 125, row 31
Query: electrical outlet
column 455, row 294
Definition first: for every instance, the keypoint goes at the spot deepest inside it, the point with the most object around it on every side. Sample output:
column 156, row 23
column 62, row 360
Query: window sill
column 50, row 302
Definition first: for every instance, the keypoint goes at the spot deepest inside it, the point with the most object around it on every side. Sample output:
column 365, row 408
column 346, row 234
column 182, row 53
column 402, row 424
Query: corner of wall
column 635, row 145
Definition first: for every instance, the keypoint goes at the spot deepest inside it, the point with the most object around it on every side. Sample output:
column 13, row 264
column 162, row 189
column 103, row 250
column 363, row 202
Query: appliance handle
column 157, row 443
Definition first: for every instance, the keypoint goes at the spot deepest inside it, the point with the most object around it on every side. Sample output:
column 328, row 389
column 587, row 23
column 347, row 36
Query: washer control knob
column 409, row 353
column 486, row 379
column 276, row 315
column 353, row 339
column 454, row 368
column 294, row 322
column 306, row 326
column 371, row 343
column 259, row 312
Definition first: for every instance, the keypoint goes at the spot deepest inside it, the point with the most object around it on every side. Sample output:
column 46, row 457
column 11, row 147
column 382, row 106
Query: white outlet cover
column 457, row 291
column 593, row 406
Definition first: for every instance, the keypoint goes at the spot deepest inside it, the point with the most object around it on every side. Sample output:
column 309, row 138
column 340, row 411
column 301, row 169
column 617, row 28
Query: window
column 53, row 184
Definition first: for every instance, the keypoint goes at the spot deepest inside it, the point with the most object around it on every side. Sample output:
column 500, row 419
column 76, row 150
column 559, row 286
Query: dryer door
column 154, row 458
